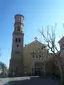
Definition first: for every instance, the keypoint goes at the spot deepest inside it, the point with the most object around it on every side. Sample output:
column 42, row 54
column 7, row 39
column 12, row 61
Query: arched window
column 18, row 28
column 33, row 56
column 19, row 40
column 39, row 56
column 36, row 56
column 16, row 40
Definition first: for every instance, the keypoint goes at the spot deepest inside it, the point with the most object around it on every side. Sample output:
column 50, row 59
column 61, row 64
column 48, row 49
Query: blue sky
column 37, row 13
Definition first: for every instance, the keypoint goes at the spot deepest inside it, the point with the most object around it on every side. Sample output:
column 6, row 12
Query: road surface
column 29, row 81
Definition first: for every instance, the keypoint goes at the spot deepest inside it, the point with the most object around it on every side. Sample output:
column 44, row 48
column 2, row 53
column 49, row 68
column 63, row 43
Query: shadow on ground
column 35, row 81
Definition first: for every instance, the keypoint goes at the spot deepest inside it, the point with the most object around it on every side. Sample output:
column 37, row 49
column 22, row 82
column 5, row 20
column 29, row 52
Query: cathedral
column 29, row 59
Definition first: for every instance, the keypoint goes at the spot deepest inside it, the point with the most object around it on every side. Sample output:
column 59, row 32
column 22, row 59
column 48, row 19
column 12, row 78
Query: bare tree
column 50, row 40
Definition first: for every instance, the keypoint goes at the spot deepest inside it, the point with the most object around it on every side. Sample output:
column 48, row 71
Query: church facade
column 30, row 59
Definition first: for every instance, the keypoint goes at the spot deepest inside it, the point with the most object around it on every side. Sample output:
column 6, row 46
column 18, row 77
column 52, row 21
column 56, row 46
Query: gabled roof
column 36, row 42
column 61, row 40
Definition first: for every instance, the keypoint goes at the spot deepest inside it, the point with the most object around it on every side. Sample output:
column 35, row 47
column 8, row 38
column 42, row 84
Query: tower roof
column 19, row 15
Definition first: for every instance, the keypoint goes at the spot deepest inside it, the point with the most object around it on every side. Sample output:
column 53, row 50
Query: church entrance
column 37, row 71
column 38, row 68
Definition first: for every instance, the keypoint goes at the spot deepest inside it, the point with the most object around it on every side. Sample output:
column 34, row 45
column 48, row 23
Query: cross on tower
column 35, row 38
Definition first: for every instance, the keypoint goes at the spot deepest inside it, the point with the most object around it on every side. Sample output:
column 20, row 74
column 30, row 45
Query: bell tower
column 16, row 67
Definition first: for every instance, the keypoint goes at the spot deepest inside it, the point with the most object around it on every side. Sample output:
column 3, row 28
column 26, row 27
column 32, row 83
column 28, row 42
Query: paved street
column 29, row 81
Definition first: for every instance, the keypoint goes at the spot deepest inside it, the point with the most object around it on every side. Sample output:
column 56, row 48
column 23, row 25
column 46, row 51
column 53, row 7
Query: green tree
column 3, row 67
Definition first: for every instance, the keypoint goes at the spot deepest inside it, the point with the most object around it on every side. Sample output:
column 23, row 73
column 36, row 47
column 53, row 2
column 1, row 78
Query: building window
column 39, row 56
column 18, row 28
column 19, row 40
column 17, row 45
column 33, row 56
column 36, row 56
column 16, row 40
